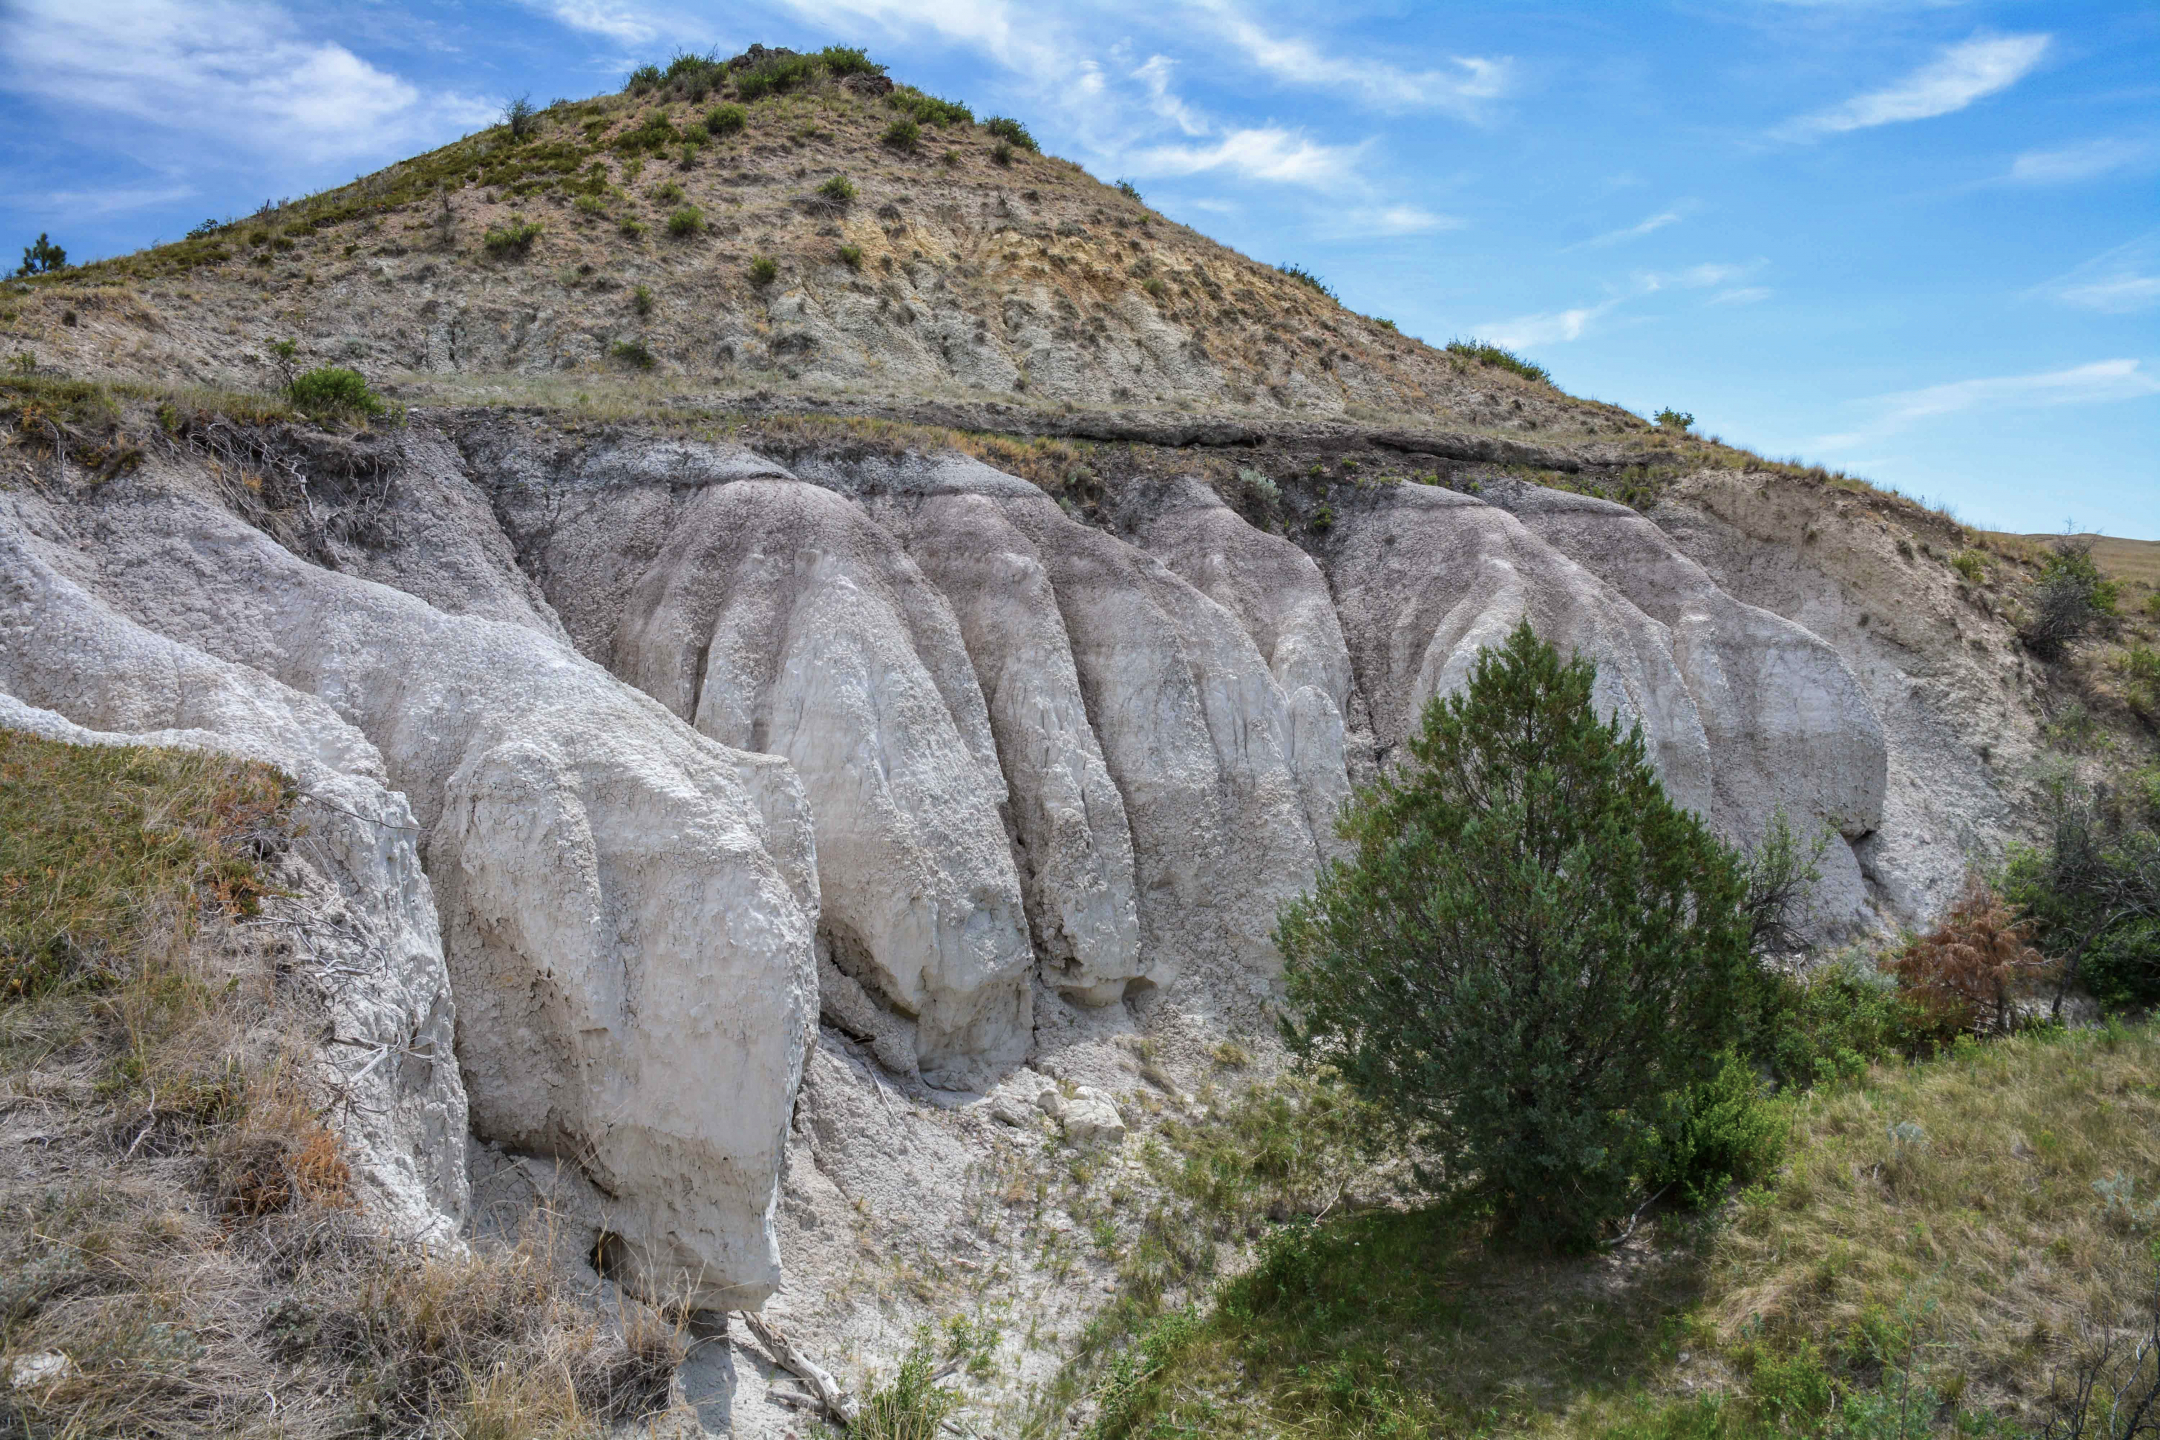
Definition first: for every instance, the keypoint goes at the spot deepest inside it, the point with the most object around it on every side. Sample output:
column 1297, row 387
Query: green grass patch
column 104, row 849
column 1931, row 1257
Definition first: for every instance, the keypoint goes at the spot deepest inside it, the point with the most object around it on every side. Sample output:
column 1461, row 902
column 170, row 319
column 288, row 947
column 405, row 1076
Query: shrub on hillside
column 725, row 120
column 1001, row 153
column 1011, row 131
column 841, row 61
column 2138, row 670
column 333, row 392
column 928, row 109
column 2070, row 598
column 902, row 134
column 514, row 238
column 1306, row 278
column 1966, row 974
column 687, row 221
column 1531, row 949
column 763, row 270
column 522, row 119
column 642, row 80
column 775, row 75
column 1717, row 1133
column 1671, row 419
column 1130, row 191
column 837, row 192
column 1485, row 353
column 2092, row 889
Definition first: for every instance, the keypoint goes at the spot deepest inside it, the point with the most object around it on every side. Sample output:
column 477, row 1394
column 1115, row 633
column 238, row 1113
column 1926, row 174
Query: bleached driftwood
column 837, row 1402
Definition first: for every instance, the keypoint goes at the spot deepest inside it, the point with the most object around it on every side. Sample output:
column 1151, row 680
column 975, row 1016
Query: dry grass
column 1942, row 1242
column 1969, row 1188
column 176, row 1220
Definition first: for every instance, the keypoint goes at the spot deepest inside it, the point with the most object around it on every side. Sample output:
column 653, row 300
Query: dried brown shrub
column 1968, row 973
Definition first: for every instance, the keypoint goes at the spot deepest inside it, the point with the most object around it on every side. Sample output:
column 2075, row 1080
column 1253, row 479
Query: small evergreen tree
column 1532, row 953
column 42, row 258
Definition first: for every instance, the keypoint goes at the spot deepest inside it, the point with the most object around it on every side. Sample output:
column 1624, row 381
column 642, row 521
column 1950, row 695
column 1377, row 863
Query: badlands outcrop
column 699, row 747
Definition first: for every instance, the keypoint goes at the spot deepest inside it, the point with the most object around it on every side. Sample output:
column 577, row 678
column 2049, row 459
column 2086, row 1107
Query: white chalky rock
column 780, row 619
column 628, row 907
column 74, row 671
column 1088, row 1117
column 1788, row 724
column 1281, row 599
column 1425, row 578
column 1194, row 730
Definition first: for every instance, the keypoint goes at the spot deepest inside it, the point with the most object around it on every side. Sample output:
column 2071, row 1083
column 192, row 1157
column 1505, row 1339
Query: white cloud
column 2076, row 162
column 242, row 72
column 1465, row 88
column 1955, row 79
column 2101, row 382
column 1633, row 232
column 602, row 17
column 1155, row 75
column 106, row 202
column 2120, row 281
column 1741, row 295
column 1695, row 277
column 1265, row 153
column 1550, row 328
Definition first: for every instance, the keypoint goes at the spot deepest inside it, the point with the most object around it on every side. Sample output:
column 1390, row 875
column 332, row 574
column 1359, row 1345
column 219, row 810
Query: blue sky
column 1919, row 241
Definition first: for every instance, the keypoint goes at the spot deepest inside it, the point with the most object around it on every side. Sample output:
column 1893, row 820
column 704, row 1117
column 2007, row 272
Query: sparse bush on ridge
column 763, row 270
column 902, row 134
column 2069, row 600
column 841, row 61
column 837, row 192
column 522, row 120
column 1486, row 353
column 928, row 109
column 1130, row 191
column 687, row 221
column 1005, row 128
column 634, row 353
column 42, row 257
column 725, row 120
column 1677, row 420
column 1306, row 278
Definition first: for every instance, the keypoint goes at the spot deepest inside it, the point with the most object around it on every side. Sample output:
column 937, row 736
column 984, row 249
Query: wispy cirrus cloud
column 1258, row 153
column 1548, row 328
column 2101, row 382
column 2072, row 163
column 245, row 73
column 1554, row 327
column 1649, row 226
column 2121, row 281
column 630, row 24
column 1956, row 78
column 1466, row 87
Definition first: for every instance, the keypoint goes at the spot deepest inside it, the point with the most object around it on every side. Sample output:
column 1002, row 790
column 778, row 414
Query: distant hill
column 2137, row 561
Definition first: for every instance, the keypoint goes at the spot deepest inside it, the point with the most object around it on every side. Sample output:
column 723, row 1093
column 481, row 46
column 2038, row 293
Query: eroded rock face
column 779, row 619
column 1788, row 725
column 1195, row 732
column 73, row 670
column 627, row 908
column 886, row 739
column 1425, row 578
column 1075, row 844
column 1279, row 596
